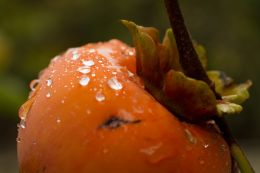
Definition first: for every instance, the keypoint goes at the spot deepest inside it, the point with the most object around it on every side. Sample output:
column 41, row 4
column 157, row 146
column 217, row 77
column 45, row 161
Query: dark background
column 32, row 32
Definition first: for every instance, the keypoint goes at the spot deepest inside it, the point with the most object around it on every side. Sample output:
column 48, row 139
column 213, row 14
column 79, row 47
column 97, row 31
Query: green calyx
column 158, row 64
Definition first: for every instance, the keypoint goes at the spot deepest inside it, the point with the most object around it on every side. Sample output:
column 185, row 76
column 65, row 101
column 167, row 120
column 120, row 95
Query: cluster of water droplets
column 104, row 61
column 48, row 84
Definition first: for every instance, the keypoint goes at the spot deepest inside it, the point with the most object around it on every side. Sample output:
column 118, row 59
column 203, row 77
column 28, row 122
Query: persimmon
column 90, row 113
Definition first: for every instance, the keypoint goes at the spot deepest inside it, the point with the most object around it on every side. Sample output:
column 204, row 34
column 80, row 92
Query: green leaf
column 230, row 92
column 227, row 108
column 145, row 40
column 191, row 98
column 202, row 53
column 172, row 60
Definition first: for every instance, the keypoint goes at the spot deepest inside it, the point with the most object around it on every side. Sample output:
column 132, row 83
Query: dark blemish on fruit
column 115, row 122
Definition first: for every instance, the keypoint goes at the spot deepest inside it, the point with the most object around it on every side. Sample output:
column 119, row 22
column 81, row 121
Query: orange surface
column 66, row 128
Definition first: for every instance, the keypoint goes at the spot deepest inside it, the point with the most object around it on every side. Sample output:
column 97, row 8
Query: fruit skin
column 68, row 130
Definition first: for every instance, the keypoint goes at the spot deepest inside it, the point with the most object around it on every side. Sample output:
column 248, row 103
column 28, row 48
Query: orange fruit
column 90, row 113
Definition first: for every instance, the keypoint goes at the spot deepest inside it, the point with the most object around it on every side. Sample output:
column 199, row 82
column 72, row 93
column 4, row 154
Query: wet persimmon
column 89, row 113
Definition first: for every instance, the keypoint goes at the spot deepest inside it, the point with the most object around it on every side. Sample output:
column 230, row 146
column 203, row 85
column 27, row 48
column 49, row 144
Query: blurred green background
column 32, row 32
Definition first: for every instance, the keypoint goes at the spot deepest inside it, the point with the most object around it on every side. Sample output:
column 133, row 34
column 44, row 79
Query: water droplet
column 223, row 148
column 105, row 52
column 93, row 74
column 88, row 63
column 84, row 81
column 100, row 61
column 131, row 53
column 151, row 150
column 34, row 84
column 92, row 50
column 130, row 74
column 88, row 111
column 48, row 95
column 18, row 140
column 100, row 96
column 25, row 108
column 190, row 137
column 84, row 69
column 205, row 145
column 114, row 72
column 114, row 84
column 22, row 123
column 58, row 120
column 75, row 56
column 48, row 82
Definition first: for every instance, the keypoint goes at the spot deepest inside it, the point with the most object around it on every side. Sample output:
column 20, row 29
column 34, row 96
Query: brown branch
column 188, row 57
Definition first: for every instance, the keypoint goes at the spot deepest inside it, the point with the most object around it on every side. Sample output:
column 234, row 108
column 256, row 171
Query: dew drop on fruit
column 22, row 123
column 34, row 84
column 58, row 120
column 130, row 74
column 18, row 140
column 205, row 145
column 88, row 111
column 114, row 84
column 84, row 81
column 92, row 50
column 84, row 69
column 100, row 96
column 48, row 95
column 25, row 108
column 75, row 56
column 190, row 137
column 151, row 150
column 105, row 52
column 88, row 63
column 131, row 53
column 48, row 82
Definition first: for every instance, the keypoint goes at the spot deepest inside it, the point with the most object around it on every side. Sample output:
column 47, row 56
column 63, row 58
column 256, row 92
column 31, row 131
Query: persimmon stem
column 188, row 56
column 192, row 67
column 235, row 149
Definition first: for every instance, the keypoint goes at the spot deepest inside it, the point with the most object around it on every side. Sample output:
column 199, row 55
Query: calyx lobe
column 158, row 64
